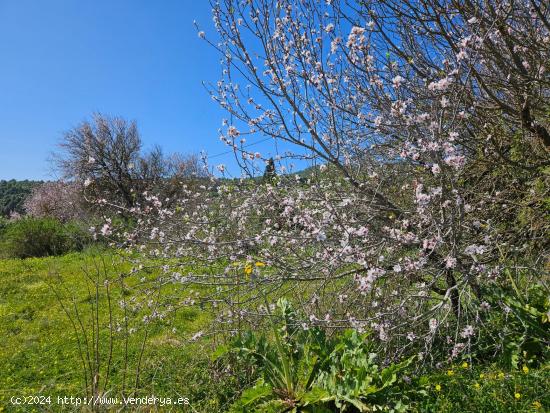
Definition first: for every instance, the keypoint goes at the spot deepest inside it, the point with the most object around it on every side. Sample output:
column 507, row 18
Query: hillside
column 13, row 194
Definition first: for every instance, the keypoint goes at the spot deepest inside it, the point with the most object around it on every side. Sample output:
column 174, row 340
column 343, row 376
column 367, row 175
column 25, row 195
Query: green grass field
column 39, row 353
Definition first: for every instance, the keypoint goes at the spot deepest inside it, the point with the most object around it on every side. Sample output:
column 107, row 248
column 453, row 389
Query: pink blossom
column 398, row 81
column 450, row 262
column 233, row 131
column 456, row 161
column 106, row 230
column 440, row 85
column 467, row 332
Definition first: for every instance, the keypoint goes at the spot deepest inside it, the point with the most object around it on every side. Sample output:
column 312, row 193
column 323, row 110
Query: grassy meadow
column 40, row 354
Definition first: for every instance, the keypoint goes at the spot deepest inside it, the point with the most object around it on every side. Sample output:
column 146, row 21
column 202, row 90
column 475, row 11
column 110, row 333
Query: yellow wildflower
column 438, row 387
column 501, row 375
column 260, row 264
column 517, row 396
column 248, row 269
column 450, row 372
column 525, row 369
column 537, row 405
column 481, row 375
column 477, row 386
column 465, row 365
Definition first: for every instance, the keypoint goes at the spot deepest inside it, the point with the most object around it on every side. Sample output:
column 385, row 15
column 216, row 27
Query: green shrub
column 33, row 237
column 4, row 223
column 305, row 371
column 77, row 236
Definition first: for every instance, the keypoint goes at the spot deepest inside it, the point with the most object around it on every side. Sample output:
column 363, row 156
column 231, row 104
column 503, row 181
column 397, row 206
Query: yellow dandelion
column 537, row 404
column 260, row 264
column 248, row 269
column 517, row 396
column 465, row 365
column 438, row 387
column 450, row 372
column 525, row 369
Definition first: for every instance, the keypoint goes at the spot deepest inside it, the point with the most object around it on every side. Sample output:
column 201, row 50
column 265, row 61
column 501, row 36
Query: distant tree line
column 13, row 194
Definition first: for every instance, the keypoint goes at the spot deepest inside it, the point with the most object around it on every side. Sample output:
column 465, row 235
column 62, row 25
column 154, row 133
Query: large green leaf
column 316, row 395
column 252, row 396
column 389, row 374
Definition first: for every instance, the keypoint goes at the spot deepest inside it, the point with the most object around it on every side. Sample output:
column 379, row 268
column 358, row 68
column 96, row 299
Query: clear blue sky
column 62, row 60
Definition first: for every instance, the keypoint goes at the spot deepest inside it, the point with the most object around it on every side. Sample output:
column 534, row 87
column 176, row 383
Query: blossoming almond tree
column 429, row 123
column 59, row 199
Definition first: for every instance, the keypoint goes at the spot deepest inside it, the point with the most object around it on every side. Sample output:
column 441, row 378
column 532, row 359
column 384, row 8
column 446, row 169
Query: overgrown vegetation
column 278, row 369
column 306, row 371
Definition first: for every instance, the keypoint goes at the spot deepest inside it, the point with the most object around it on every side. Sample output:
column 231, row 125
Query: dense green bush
column 33, row 237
